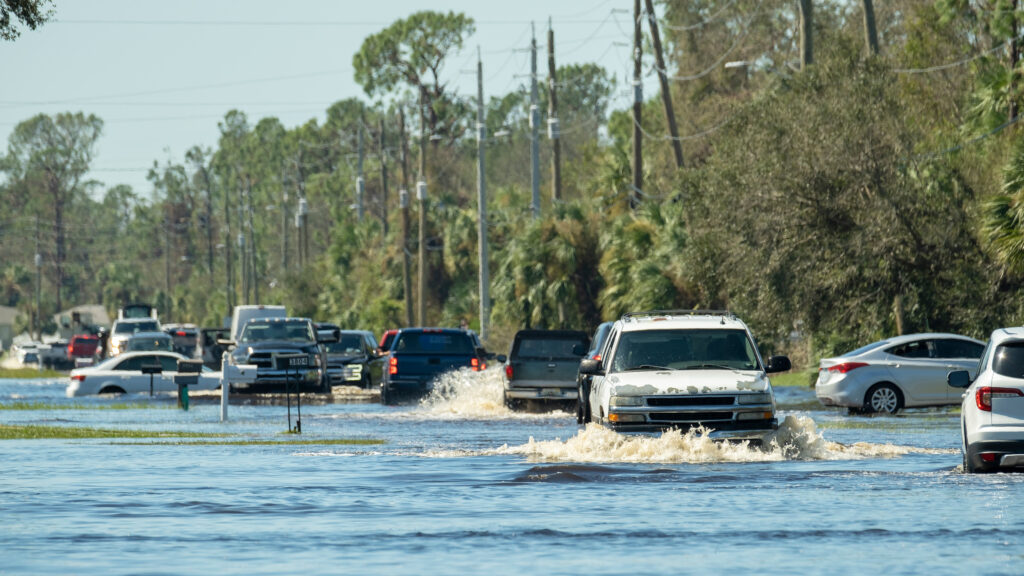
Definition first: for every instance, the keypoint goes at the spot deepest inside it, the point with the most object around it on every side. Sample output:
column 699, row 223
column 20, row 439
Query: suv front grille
column 261, row 359
column 690, row 416
column 691, row 400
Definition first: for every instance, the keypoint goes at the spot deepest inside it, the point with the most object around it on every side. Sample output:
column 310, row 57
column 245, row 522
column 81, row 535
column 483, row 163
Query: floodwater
column 461, row 485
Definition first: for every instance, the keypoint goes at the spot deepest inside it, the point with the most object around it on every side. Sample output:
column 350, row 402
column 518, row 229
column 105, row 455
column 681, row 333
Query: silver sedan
column 902, row 372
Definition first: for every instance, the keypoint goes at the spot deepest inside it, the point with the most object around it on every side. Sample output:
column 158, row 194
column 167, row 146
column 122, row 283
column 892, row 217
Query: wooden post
column 666, row 93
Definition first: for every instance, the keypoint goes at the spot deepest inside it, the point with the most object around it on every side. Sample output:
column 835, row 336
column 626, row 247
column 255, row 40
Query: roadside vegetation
column 863, row 194
column 31, row 373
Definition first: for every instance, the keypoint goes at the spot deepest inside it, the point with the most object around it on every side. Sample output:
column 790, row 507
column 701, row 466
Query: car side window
column 609, row 345
column 130, row 364
column 985, row 357
column 915, row 349
column 169, row 364
column 952, row 348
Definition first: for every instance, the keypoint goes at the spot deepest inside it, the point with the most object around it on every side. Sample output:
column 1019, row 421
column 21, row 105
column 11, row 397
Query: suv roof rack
column 648, row 313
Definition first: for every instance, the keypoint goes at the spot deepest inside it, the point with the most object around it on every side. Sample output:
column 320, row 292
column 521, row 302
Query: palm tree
column 1003, row 217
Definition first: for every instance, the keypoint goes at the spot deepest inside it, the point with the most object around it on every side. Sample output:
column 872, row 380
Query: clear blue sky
column 162, row 74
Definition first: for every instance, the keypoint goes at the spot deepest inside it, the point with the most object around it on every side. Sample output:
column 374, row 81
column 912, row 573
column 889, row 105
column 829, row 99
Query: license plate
column 550, row 392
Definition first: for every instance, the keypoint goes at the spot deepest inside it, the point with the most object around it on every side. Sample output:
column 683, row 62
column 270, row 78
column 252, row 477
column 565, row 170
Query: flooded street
column 461, row 485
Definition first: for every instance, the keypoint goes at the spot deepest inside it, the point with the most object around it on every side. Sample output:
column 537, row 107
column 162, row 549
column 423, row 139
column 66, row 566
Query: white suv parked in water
column 683, row 369
column 992, row 414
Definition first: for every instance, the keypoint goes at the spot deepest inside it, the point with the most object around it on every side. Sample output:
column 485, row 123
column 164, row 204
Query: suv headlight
column 626, row 401
column 760, row 398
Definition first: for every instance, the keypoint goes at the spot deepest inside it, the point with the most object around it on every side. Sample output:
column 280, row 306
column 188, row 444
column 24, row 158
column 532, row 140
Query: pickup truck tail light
column 393, row 365
column 983, row 396
column 509, row 372
column 474, row 363
column 846, row 367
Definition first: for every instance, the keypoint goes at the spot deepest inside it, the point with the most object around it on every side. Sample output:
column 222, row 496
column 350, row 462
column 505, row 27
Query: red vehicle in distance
column 83, row 346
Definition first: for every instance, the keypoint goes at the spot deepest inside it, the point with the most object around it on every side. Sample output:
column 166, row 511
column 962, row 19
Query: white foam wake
column 796, row 439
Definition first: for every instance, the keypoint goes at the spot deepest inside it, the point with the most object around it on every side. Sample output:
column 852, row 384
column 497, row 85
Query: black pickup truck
column 419, row 355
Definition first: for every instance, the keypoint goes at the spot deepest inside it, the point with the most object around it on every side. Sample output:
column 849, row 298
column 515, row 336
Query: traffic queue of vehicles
column 647, row 371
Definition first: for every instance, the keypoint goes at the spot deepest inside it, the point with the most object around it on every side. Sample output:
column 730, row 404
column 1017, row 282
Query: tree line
column 875, row 188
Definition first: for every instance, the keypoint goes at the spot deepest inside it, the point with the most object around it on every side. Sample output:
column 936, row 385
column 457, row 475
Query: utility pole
column 666, row 93
column 245, row 259
column 553, row 133
column 421, row 195
column 383, row 178
column 360, row 182
column 638, row 101
column 871, row 32
column 403, row 203
column 39, row 285
column 167, row 257
column 253, row 280
column 228, row 259
column 806, row 34
column 284, row 222
column 1013, row 48
column 481, row 133
column 209, row 223
column 303, row 236
column 534, row 122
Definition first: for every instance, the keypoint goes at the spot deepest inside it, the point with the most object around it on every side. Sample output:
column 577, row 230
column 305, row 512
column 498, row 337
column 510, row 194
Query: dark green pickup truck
column 542, row 366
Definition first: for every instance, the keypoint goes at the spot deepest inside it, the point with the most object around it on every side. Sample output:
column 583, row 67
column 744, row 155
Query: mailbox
column 154, row 368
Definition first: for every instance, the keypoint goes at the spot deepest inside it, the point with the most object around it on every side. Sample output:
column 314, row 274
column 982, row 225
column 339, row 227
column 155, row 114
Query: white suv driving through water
column 992, row 413
column 684, row 369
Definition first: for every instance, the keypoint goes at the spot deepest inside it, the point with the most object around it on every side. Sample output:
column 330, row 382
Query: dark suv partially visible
column 354, row 360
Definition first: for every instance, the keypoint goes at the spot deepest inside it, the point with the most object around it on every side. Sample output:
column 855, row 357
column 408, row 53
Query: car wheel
column 884, row 398
column 112, row 390
column 579, row 405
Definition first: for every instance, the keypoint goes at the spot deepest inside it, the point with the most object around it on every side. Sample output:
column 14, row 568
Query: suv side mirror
column 591, row 367
column 778, row 364
column 959, row 379
column 501, row 358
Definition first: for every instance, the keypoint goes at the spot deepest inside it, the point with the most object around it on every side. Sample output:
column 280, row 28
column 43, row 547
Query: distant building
column 7, row 317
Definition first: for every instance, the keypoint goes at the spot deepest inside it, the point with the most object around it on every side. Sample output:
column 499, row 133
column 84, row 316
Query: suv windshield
column 548, row 347
column 684, row 349
column 348, row 345
column 1009, row 360
column 133, row 327
column 257, row 331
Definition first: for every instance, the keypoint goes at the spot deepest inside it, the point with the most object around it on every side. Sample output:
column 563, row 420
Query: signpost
column 153, row 368
column 289, row 362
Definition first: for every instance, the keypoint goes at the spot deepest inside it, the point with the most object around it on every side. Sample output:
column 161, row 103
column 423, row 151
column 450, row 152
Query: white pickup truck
column 683, row 369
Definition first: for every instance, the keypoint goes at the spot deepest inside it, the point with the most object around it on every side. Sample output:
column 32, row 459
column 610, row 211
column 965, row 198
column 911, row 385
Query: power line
column 190, row 88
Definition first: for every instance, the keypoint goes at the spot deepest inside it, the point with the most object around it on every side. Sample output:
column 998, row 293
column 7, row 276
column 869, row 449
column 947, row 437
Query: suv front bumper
column 548, row 393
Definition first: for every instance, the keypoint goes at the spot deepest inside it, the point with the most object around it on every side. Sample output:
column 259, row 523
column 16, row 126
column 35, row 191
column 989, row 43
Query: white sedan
column 992, row 413
column 124, row 374
column 901, row 372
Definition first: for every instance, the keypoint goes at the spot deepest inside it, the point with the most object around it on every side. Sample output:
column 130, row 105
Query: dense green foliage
column 861, row 197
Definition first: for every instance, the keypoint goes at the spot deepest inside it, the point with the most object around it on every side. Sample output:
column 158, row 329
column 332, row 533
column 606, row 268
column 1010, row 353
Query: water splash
column 469, row 395
column 796, row 439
